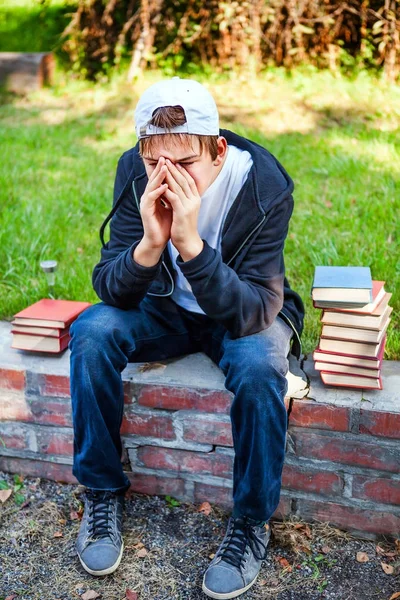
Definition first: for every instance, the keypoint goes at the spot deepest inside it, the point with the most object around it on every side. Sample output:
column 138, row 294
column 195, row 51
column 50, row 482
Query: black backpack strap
column 116, row 205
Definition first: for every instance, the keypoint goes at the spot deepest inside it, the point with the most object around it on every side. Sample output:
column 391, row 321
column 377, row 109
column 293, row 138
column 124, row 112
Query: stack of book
column 44, row 326
column 355, row 318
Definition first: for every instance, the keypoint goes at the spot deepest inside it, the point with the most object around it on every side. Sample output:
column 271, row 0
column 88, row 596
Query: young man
column 194, row 262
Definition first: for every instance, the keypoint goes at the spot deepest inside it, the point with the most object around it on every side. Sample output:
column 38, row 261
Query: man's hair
column 169, row 117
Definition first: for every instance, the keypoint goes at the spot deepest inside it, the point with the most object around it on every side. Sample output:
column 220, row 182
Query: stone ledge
column 198, row 371
column 342, row 455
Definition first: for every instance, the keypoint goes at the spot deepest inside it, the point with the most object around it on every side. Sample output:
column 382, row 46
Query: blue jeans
column 104, row 339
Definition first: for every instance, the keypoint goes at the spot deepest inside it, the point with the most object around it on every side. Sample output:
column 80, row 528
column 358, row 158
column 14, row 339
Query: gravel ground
column 168, row 548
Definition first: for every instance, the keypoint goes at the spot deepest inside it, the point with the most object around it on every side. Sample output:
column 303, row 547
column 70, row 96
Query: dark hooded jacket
column 243, row 287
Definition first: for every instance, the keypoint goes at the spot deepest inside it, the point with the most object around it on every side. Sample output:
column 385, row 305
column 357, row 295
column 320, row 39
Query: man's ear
column 222, row 148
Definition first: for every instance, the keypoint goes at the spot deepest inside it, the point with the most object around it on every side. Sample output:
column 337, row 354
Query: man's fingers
column 189, row 179
column 178, row 175
column 158, row 179
column 159, row 191
column 173, row 199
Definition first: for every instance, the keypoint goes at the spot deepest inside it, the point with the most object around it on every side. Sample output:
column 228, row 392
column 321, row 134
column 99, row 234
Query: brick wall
column 342, row 460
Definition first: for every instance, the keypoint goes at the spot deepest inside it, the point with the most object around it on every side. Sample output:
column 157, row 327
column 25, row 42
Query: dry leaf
column 307, row 531
column 262, row 582
column 58, row 534
column 5, row 494
column 395, row 596
column 139, row 545
column 131, row 595
column 211, row 555
column 387, row 568
column 205, row 508
column 150, row 366
column 397, row 544
column 74, row 516
column 284, row 563
column 325, row 549
column 12, row 597
column 90, row 595
column 362, row 557
column 379, row 550
column 141, row 553
column 62, row 521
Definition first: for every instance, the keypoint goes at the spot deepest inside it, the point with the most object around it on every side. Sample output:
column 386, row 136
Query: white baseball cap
column 200, row 109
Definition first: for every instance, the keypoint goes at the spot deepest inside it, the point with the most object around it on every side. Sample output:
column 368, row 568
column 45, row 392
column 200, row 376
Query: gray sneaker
column 99, row 544
column 237, row 562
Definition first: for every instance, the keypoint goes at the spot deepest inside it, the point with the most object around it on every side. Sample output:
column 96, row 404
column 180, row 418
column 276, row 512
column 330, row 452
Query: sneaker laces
column 241, row 533
column 100, row 513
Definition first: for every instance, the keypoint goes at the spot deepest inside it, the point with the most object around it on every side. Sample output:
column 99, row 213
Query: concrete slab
column 386, row 400
column 198, row 371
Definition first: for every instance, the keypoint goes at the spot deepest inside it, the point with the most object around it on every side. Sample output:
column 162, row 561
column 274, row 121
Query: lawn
column 338, row 138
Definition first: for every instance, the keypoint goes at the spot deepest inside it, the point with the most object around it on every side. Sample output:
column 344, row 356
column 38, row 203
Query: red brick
column 186, row 461
column 55, row 442
column 307, row 413
column 154, row 485
column 377, row 489
column 55, row 385
column 208, row 431
column 284, row 508
column 171, row 398
column 309, row 480
column 127, row 392
column 350, row 518
column 214, row 494
column 37, row 468
column 160, row 426
column 12, row 380
column 380, row 423
column 350, row 450
column 51, row 412
column 14, row 406
column 13, row 441
column 222, row 497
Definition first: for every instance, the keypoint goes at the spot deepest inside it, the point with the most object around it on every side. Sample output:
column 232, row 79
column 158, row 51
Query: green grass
column 338, row 138
column 33, row 25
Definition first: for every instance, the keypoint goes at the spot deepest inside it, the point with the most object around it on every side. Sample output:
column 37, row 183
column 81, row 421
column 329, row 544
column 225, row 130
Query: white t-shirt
column 215, row 204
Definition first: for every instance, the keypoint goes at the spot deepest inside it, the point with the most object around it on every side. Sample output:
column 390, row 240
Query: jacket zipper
column 228, row 263
column 291, row 324
column 162, row 262
column 248, row 237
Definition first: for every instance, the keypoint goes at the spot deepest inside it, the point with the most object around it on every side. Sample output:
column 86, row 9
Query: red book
column 346, row 369
column 39, row 343
column 354, row 334
column 47, row 331
column 50, row 313
column 353, row 360
column 352, row 381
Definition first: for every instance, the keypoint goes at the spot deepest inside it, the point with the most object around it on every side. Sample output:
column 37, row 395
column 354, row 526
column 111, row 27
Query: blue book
column 342, row 285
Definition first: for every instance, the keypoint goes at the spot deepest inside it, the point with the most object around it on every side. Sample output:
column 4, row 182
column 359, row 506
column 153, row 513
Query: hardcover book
column 374, row 321
column 353, row 334
column 351, row 285
column 339, row 379
column 39, row 343
column 47, row 331
column 370, row 362
column 348, row 347
column 347, row 369
column 50, row 312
